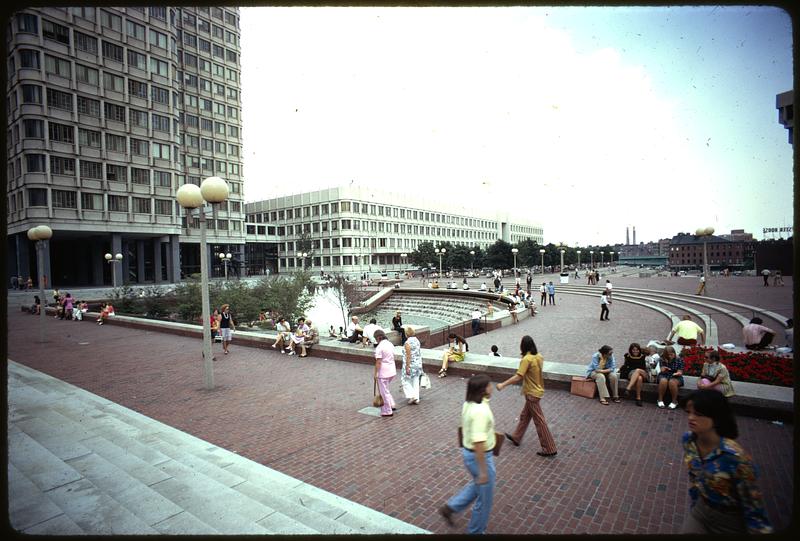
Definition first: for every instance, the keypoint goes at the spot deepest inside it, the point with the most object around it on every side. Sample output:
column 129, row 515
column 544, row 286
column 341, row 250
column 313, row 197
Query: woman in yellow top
column 530, row 373
column 478, row 440
column 456, row 351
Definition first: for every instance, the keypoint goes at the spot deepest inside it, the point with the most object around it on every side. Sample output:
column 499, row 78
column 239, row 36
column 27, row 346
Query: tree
column 499, row 255
column 459, row 258
column 528, row 255
column 347, row 293
column 424, row 255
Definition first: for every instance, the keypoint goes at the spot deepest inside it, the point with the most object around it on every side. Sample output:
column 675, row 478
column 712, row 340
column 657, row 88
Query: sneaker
column 282, row 352
column 660, row 404
column 672, row 405
column 290, row 353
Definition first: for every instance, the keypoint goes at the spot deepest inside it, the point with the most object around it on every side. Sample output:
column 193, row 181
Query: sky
column 586, row 120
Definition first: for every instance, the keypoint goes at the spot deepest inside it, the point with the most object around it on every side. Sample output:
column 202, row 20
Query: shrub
column 751, row 366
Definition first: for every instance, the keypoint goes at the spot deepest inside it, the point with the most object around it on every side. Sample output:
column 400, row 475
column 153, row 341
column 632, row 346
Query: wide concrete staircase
column 80, row 464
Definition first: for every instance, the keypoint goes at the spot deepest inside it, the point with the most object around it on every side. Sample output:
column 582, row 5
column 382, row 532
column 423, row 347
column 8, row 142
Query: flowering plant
column 751, row 366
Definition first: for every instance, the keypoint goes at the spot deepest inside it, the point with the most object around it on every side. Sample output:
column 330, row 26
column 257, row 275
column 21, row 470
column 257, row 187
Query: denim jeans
column 482, row 495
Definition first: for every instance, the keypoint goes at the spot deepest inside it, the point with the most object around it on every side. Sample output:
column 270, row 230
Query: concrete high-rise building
column 110, row 110
column 784, row 102
column 634, row 235
column 627, row 237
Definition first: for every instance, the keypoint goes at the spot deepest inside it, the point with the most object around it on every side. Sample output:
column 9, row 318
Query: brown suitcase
column 584, row 387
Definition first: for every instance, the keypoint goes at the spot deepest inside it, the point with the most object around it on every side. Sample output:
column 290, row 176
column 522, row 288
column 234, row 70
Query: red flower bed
column 750, row 366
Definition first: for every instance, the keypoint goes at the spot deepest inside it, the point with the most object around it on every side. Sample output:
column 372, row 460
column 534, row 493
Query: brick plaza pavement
column 618, row 469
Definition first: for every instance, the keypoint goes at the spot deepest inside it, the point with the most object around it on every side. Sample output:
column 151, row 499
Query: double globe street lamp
column 515, row 251
column 213, row 190
column 541, row 252
column 225, row 259
column 40, row 234
column 440, row 252
column 111, row 260
column 579, row 258
column 705, row 233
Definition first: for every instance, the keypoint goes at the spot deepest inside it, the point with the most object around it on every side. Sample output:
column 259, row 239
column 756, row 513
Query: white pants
column 411, row 387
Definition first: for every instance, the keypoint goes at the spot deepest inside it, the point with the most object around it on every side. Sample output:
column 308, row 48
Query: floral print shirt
column 726, row 480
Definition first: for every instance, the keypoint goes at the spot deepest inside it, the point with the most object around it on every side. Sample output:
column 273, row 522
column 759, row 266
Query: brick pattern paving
column 618, row 470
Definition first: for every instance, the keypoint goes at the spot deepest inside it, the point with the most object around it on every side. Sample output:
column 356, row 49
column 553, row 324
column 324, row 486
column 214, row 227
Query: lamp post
column 40, row 234
column 591, row 256
column 225, row 259
column 213, row 190
column 541, row 252
column 612, row 257
column 472, row 262
column 440, row 252
column 705, row 233
column 515, row 251
column 579, row 259
column 601, row 258
column 303, row 256
column 112, row 260
column 403, row 257
column 562, row 261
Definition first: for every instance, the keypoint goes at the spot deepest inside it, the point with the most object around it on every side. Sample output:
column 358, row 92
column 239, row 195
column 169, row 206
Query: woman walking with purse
column 530, row 373
column 412, row 366
column 385, row 371
column 478, row 441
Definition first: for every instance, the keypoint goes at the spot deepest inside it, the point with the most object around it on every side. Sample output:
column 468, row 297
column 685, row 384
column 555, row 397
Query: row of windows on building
column 355, row 242
column 369, row 209
column 379, row 227
column 68, row 199
column 34, row 128
column 91, row 170
column 51, row 30
column 112, row 81
column 327, row 262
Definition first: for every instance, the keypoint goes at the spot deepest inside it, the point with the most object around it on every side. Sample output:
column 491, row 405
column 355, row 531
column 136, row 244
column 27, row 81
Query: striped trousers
column 533, row 411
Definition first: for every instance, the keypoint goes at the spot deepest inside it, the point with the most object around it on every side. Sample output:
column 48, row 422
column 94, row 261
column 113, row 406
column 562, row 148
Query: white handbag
column 425, row 381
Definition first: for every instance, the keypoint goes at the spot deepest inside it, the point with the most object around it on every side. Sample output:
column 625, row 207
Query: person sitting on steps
column 456, row 351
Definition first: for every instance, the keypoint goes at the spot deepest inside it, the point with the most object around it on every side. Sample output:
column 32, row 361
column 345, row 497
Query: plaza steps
column 73, row 453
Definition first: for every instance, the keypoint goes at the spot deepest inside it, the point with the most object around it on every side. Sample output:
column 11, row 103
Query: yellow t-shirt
column 530, row 368
column 687, row 329
column 477, row 424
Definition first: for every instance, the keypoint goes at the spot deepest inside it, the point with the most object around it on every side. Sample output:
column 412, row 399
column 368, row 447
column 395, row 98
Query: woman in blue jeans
column 478, row 441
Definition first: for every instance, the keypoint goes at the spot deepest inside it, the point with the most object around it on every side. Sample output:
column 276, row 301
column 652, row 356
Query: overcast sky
column 587, row 119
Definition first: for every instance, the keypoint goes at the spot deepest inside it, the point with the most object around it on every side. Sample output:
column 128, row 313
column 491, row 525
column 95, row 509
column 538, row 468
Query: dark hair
column 379, row 335
column 713, row 404
column 605, row 350
column 373, row 321
column 476, row 387
column 527, row 345
column 634, row 345
column 494, row 349
column 713, row 355
column 757, row 320
column 790, row 322
column 458, row 339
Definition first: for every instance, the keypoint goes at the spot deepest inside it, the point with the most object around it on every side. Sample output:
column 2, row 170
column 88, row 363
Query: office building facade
column 355, row 229
column 109, row 111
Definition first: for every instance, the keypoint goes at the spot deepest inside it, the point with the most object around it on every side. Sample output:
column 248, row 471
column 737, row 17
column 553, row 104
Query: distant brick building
column 686, row 252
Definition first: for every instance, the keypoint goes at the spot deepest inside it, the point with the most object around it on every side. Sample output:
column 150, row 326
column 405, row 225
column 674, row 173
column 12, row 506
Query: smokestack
column 627, row 236
column 634, row 234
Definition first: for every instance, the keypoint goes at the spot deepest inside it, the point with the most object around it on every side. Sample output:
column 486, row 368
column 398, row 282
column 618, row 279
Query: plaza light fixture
column 612, row 258
column 112, row 260
column 591, row 255
column 472, row 263
column 515, row 251
column 440, row 252
column 403, row 257
column 601, row 258
column 213, row 190
column 40, row 234
column 705, row 233
column 579, row 259
column 541, row 252
column 226, row 259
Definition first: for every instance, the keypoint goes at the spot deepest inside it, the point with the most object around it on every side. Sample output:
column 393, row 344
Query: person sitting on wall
column 756, row 335
column 368, row 338
column 354, row 331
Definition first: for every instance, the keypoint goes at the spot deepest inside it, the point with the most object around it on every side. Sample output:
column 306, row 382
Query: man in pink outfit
column 757, row 336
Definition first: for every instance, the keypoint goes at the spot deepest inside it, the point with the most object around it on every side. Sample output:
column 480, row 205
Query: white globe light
column 222, row 256
column 33, row 234
column 44, row 232
column 118, row 257
column 700, row 232
column 189, row 196
column 108, row 257
column 443, row 250
column 228, row 256
column 214, row 190
column 709, row 231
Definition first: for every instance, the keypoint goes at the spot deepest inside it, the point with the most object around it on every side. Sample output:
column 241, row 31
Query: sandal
column 617, row 400
column 442, row 373
column 604, row 401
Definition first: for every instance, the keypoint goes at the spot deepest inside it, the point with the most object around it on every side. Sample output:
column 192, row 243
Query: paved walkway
column 618, row 469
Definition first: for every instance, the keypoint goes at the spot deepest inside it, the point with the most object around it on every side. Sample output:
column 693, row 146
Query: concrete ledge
column 751, row 399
